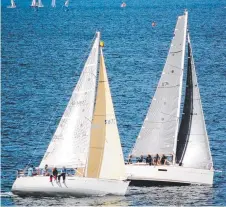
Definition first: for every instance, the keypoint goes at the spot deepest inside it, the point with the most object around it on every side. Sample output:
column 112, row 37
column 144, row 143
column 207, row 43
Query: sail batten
column 159, row 131
column 69, row 145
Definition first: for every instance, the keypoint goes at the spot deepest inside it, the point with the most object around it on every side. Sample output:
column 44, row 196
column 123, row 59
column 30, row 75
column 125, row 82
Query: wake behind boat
column 86, row 139
column 176, row 156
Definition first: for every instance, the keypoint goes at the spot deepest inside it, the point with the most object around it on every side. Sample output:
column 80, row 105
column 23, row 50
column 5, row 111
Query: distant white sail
column 105, row 152
column 159, row 131
column 33, row 3
column 13, row 5
column 197, row 152
column 70, row 143
column 66, row 4
column 53, row 4
column 40, row 3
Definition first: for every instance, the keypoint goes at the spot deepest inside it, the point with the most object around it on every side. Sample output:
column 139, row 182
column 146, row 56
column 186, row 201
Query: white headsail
column 69, row 144
column 53, row 4
column 197, row 151
column 159, row 131
column 105, row 153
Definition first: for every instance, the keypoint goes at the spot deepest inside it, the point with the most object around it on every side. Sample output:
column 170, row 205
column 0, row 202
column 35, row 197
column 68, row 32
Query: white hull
column 76, row 186
column 171, row 175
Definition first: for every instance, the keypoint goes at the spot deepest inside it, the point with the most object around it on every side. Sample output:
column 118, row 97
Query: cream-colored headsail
column 70, row 143
column 105, row 154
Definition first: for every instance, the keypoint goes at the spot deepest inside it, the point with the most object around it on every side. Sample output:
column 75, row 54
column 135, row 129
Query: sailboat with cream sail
column 86, row 138
column 187, row 146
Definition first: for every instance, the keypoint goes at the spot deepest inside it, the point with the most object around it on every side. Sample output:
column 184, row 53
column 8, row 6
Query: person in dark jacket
column 149, row 160
column 55, row 173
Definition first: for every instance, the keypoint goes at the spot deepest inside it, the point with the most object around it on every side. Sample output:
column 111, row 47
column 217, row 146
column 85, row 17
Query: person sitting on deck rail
column 157, row 161
column 45, row 171
column 63, row 174
column 30, row 171
column 130, row 160
column 163, row 160
column 55, row 173
column 141, row 159
column 149, row 160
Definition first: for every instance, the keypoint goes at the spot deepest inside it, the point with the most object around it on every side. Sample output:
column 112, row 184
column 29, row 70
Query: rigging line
column 57, row 107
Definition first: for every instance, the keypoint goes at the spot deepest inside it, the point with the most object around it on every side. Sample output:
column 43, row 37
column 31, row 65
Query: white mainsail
column 40, row 3
column 197, row 151
column 159, row 131
column 70, row 143
column 105, row 158
column 66, row 4
column 53, row 4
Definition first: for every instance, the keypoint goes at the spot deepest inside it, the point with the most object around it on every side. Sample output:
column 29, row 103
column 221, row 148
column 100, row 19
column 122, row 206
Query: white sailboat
column 40, row 4
column 87, row 138
column 53, row 4
column 188, row 146
column 13, row 5
column 66, row 4
column 34, row 3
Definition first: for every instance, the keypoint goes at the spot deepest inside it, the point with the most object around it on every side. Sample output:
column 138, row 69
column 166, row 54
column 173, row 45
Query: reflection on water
column 184, row 195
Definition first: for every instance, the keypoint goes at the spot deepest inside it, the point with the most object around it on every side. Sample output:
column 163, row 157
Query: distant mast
column 53, row 4
column 66, row 4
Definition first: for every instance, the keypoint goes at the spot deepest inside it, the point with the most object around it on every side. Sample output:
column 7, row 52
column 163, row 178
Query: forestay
column 105, row 155
column 159, row 131
column 197, row 151
column 69, row 144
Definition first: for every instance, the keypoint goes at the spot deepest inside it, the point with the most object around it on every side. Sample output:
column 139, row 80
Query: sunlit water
column 43, row 53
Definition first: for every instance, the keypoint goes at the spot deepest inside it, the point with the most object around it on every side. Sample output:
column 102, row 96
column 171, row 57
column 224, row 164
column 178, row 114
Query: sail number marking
column 110, row 121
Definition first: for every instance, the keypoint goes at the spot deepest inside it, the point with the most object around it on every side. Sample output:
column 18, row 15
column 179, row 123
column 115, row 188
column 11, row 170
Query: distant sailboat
column 123, row 4
column 40, row 4
column 53, row 4
column 66, row 4
column 13, row 5
column 34, row 3
column 86, row 138
column 187, row 145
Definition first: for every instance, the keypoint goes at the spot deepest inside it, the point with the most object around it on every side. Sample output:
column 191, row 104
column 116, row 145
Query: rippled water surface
column 42, row 56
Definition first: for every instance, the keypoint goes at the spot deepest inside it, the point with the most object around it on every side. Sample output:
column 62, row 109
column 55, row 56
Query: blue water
column 43, row 53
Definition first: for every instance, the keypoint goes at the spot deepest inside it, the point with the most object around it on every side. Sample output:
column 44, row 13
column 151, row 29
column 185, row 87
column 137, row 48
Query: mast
column 159, row 131
column 105, row 158
column 195, row 143
column 69, row 145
